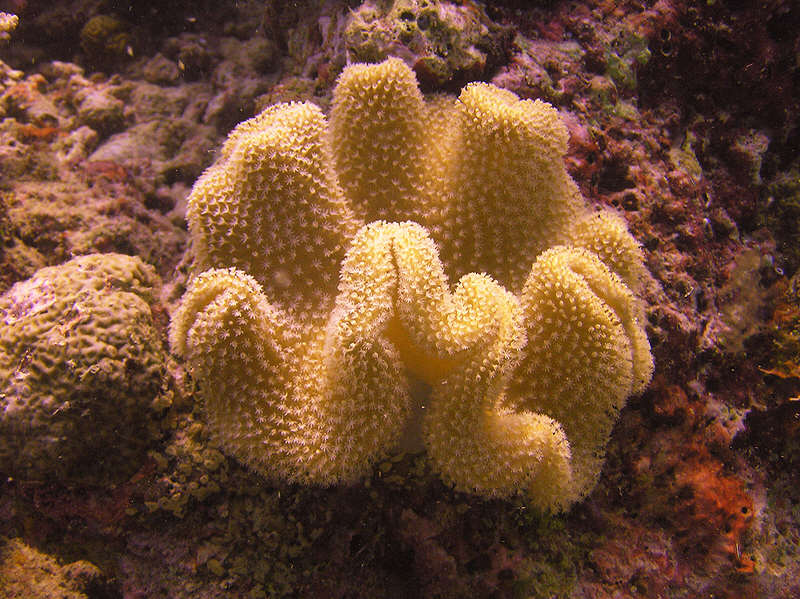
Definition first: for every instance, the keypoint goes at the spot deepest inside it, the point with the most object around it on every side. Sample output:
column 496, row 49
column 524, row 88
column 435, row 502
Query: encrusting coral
column 323, row 256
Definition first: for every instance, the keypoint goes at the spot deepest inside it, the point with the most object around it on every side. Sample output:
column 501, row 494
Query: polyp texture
column 324, row 254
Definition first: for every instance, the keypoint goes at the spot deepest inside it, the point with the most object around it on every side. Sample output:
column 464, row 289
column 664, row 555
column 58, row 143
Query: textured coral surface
column 681, row 117
column 305, row 367
column 81, row 364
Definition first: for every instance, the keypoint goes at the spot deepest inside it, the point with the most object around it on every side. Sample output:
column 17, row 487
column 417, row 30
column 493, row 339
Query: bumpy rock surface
column 26, row 573
column 445, row 42
column 81, row 364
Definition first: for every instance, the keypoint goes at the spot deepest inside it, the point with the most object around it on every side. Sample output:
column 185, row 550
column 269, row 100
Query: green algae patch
column 105, row 37
column 781, row 213
column 683, row 158
column 626, row 52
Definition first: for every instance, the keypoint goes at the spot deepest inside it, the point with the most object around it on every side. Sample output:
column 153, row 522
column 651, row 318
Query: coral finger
column 586, row 352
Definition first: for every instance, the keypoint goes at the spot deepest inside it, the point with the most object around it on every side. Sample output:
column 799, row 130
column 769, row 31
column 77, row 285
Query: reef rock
column 82, row 369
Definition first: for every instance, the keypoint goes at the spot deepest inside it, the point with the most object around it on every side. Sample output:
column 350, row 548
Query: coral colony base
column 321, row 292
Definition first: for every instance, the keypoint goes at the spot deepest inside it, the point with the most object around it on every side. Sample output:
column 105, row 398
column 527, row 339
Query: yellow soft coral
column 8, row 23
column 316, row 408
column 588, row 352
column 307, row 326
column 269, row 205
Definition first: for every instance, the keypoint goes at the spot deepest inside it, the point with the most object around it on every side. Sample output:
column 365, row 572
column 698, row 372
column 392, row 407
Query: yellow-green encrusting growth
column 27, row 573
column 105, row 37
column 337, row 262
